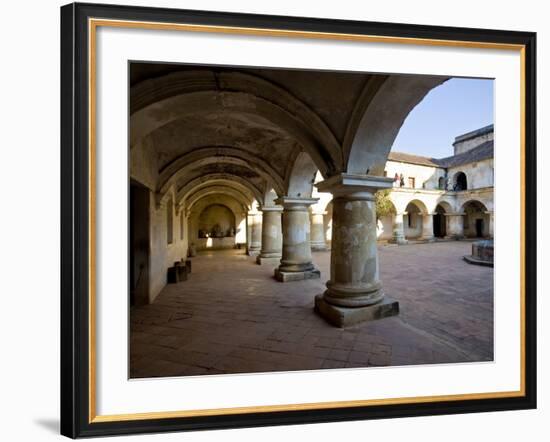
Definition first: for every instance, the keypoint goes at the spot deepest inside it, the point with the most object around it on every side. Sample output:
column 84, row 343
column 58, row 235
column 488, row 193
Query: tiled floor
column 231, row 316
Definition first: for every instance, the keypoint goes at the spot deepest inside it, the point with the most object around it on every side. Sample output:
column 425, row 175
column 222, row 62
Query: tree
column 384, row 206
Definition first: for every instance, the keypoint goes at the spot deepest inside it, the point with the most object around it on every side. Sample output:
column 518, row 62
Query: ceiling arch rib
column 210, row 155
column 218, row 190
column 301, row 176
column 232, row 181
column 156, row 102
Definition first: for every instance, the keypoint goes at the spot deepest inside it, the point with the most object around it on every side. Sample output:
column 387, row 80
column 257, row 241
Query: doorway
column 479, row 228
column 139, row 244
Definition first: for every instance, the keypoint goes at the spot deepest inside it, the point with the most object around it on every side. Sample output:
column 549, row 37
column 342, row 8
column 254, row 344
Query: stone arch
column 246, row 204
column 476, row 219
column 219, row 154
column 413, row 220
column 226, row 221
column 378, row 116
column 159, row 101
column 301, row 176
column 421, row 205
column 460, row 181
column 223, row 199
column 270, row 197
column 233, row 181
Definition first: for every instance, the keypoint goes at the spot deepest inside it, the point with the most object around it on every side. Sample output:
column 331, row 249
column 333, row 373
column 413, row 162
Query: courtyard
column 232, row 316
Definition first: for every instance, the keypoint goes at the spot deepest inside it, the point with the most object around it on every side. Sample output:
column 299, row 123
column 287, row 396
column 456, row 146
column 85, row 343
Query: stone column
column 296, row 259
column 427, row 227
column 398, row 234
column 318, row 231
column 455, row 225
column 272, row 236
column 491, row 217
column 255, row 228
column 354, row 292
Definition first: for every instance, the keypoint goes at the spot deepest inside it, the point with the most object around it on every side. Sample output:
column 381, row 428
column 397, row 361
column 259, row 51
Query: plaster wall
column 478, row 175
column 163, row 255
column 144, row 164
column 425, row 177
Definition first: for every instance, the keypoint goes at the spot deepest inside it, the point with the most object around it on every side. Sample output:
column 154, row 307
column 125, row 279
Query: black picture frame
column 75, row 220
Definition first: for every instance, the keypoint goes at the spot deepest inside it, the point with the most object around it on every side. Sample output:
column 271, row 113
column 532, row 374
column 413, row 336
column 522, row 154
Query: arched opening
column 476, row 219
column 412, row 220
column 440, row 221
column 460, row 181
column 441, row 183
column 216, row 227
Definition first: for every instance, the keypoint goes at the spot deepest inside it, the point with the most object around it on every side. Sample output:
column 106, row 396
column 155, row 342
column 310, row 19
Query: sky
column 458, row 106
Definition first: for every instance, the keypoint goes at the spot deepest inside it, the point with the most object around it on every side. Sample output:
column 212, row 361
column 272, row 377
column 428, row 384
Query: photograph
column 274, row 220
column 250, row 250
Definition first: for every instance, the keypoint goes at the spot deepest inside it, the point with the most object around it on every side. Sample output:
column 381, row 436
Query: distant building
column 436, row 198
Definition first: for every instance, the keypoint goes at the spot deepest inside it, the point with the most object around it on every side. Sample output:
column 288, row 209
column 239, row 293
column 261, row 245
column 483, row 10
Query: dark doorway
column 139, row 244
column 479, row 228
column 439, row 226
column 461, row 182
column 439, row 222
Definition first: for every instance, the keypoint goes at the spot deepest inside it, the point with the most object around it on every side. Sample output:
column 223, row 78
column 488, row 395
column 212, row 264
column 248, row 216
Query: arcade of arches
column 270, row 164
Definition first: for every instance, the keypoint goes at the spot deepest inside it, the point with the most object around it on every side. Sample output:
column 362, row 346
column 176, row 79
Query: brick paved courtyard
column 231, row 316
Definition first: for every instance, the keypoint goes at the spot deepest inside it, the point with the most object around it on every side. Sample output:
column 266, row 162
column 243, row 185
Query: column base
column 253, row 252
column 348, row 316
column 270, row 260
column 398, row 241
column 427, row 238
column 296, row 276
column 455, row 237
column 318, row 248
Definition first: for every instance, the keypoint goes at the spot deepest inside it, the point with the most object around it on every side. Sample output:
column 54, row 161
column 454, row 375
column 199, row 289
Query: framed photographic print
column 275, row 220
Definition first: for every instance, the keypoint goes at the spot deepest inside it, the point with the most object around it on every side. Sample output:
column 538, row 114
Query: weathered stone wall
column 478, row 175
column 163, row 255
column 143, row 163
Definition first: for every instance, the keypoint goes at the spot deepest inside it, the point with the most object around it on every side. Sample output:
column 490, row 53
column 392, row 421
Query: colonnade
column 454, row 224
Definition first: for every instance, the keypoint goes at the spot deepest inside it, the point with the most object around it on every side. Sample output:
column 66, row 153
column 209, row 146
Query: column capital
column 271, row 209
column 319, row 212
column 354, row 185
column 293, row 201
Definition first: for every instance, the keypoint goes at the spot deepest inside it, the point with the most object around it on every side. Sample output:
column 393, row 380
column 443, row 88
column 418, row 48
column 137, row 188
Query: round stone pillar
column 296, row 257
column 398, row 233
column 455, row 225
column 254, row 222
column 272, row 236
column 318, row 231
column 354, row 292
column 427, row 227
